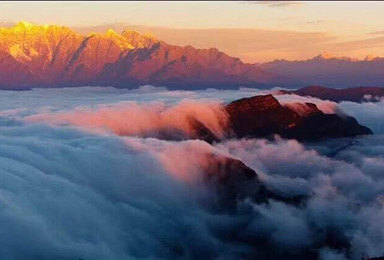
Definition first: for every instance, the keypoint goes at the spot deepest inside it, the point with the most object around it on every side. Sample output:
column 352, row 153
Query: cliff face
column 32, row 55
column 36, row 53
column 262, row 116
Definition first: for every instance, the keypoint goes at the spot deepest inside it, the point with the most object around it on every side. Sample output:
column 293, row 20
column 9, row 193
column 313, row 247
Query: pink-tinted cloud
column 150, row 120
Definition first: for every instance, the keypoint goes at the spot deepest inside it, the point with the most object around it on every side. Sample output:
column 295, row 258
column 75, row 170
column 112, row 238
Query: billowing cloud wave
column 165, row 119
column 69, row 193
column 65, row 194
column 146, row 120
column 369, row 114
column 345, row 194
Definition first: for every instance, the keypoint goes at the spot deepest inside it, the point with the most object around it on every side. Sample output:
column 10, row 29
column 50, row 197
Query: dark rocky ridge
column 233, row 181
column 263, row 116
column 357, row 94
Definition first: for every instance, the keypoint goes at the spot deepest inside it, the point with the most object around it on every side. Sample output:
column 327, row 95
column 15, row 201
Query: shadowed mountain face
column 359, row 94
column 184, row 67
column 338, row 72
column 232, row 181
column 262, row 116
column 54, row 56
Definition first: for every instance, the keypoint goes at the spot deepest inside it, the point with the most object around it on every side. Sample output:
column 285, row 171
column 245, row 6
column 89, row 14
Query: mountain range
column 57, row 56
column 51, row 56
column 336, row 72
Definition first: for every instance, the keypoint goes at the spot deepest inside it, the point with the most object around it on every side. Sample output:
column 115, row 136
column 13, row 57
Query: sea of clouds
column 105, row 173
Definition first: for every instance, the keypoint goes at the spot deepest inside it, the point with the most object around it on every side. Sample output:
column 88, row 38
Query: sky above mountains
column 254, row 31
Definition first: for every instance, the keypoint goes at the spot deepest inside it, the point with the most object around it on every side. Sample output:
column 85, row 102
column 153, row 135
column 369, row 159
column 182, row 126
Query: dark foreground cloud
column 69, row 195
column 345, row 195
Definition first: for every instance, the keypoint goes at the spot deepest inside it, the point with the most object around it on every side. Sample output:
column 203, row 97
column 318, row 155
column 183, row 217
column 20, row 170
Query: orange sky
column 260, row 45
column 254, row 31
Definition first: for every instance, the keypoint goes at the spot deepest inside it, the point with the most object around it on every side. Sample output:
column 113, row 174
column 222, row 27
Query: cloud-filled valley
column 104, row 173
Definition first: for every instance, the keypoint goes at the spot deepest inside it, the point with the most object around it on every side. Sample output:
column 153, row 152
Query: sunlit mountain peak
column 370, row 57
column 23, row 24
column 111, row 32
column 327, row 56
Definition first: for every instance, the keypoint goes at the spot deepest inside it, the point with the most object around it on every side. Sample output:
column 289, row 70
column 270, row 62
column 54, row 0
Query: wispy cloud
column 288, row 18
column 315, row 21
column 6, row 23
column 280, row 3
column 377, row 33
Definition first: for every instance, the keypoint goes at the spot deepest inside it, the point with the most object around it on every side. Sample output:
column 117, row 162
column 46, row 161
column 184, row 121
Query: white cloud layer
column 69, row 193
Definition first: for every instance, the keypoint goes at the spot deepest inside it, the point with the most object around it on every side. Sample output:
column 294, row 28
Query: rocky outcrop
column 233, row 181
column 260, row 116
column 263, row 116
